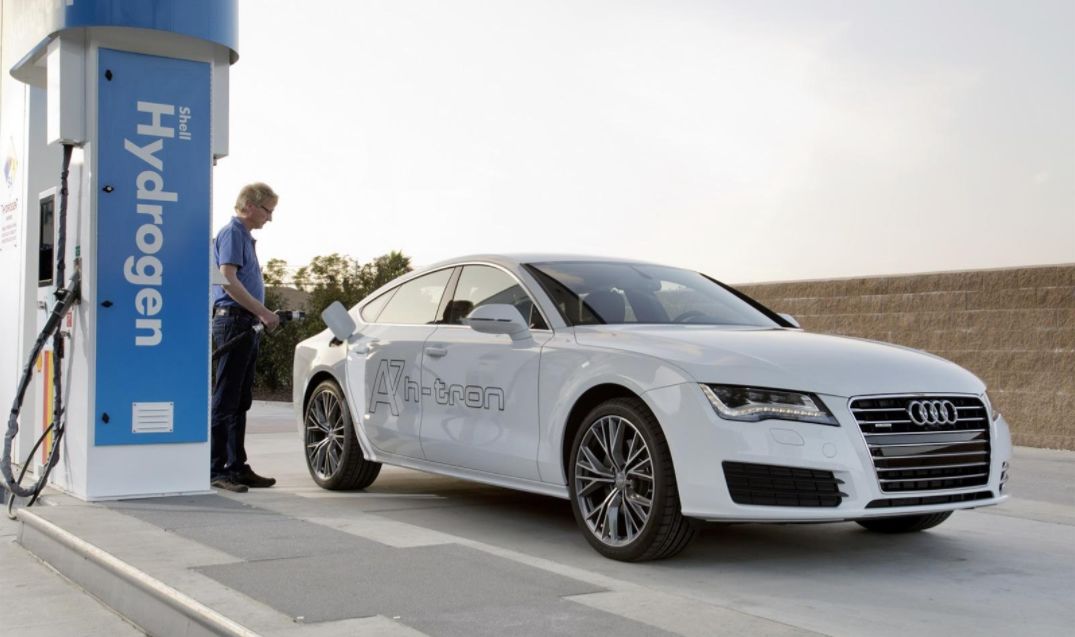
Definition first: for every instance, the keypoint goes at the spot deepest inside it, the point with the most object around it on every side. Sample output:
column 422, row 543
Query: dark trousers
column 232, row 394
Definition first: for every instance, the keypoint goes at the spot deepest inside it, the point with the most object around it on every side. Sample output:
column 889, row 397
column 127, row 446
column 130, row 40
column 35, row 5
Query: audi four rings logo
column 932, row 412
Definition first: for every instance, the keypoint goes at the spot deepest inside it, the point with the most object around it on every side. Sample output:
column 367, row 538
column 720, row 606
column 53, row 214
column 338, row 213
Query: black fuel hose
column 66, row 299
column 285, row 316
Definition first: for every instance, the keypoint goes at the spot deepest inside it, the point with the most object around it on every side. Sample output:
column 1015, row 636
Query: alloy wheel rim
column 614, row 481
column 324, row 434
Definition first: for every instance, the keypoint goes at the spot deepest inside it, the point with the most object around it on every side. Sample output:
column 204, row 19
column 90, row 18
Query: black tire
column 904, row 523
column 333, row 454
column 622, row 486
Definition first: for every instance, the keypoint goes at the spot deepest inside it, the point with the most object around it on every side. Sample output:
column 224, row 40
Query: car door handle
column 436, row 352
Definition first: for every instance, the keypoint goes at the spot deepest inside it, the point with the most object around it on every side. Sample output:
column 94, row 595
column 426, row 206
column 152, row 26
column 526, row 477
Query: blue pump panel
column 153, row 231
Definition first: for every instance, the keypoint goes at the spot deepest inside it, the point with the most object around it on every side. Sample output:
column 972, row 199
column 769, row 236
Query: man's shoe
column 228, row 485
column 247, row 476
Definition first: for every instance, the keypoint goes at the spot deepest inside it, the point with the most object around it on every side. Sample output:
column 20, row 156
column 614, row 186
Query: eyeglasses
column 267, row 210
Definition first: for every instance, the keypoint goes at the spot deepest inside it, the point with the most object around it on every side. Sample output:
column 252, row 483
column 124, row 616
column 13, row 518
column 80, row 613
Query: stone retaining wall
column 1014, row 328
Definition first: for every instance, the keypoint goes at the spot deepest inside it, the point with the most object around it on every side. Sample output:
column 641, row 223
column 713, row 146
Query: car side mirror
column 790, row 319
column 339, row 321
column 498, row 318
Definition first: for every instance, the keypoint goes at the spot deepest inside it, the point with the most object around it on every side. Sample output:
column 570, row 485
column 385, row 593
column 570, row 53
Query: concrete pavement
column 420, row 554
column 39, row 601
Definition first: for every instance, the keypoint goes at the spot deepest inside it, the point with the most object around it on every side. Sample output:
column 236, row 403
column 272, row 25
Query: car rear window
column 415, row 302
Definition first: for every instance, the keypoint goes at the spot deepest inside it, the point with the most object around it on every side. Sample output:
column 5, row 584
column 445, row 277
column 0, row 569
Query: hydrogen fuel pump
column 113, row 114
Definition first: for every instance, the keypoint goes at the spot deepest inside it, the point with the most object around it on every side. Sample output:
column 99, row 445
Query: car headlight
column 733, row 402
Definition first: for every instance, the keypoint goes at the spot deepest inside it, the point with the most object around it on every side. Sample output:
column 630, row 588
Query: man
column 237, row 306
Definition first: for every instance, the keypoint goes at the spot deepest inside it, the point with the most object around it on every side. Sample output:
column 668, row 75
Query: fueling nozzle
column 285, row 317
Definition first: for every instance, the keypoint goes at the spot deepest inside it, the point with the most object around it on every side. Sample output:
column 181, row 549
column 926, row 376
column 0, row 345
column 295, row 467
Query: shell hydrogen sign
column 152, row 231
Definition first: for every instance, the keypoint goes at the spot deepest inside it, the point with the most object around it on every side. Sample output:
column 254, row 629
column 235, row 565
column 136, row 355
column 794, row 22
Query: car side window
column 415, row 302
column 482, row 285
column 372, row 310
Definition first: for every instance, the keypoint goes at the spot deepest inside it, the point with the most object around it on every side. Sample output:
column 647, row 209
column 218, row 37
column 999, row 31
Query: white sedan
column 649, row 396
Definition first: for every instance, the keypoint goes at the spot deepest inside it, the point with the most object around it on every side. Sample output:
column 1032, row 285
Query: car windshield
column 588, row 293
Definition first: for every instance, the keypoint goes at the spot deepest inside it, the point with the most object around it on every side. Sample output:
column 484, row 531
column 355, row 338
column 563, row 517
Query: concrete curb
column 143, row 600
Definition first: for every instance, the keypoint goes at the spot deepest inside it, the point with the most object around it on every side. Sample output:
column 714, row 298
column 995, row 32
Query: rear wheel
column 333, row 454
column 623, row 486
column 904, row 523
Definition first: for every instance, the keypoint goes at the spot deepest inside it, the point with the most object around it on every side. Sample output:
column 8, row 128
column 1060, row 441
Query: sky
column 754, row 141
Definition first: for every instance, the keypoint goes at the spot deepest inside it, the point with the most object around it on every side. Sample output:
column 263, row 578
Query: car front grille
column 775, row 485
column 950, row 454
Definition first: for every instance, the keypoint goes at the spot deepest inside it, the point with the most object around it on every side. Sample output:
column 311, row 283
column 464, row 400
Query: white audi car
column 649, row 396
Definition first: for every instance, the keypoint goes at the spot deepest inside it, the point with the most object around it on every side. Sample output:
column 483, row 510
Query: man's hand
column 235, row 290
column 271, row 320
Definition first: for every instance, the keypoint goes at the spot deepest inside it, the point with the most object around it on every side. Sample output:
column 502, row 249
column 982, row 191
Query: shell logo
column 11, row 165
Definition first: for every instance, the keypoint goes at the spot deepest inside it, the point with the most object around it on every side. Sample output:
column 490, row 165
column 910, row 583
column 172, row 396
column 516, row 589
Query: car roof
column 514, row 259
column 510, row 261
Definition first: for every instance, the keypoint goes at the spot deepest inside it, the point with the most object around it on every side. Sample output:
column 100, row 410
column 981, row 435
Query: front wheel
column 904, row 523
column 623, row 486
column 333, row 454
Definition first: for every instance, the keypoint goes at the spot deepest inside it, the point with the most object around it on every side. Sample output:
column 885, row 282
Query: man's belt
column 231, row 310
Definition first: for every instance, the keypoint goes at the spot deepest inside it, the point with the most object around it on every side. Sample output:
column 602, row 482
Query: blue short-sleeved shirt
column 234, row 245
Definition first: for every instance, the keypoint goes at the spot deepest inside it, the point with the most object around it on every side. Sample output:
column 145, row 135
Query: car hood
column 787, row 359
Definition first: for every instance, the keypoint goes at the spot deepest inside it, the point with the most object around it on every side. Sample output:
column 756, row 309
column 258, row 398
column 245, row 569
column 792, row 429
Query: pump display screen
column 45, row 254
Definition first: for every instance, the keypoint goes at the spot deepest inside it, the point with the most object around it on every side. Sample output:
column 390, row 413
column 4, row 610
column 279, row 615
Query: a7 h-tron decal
column 390, row 379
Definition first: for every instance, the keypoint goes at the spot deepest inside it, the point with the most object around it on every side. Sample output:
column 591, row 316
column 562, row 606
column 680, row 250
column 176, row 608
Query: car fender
column 569, row 370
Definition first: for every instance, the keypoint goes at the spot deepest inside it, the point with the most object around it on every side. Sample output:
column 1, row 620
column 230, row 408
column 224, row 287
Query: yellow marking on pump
column 46, row 362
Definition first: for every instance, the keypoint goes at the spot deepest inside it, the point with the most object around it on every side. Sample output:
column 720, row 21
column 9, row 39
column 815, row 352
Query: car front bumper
column 701, row 443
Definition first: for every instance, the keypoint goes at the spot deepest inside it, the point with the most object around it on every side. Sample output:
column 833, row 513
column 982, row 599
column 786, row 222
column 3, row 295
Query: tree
column 275, row 272
column 325, row 279
column 383, row 269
